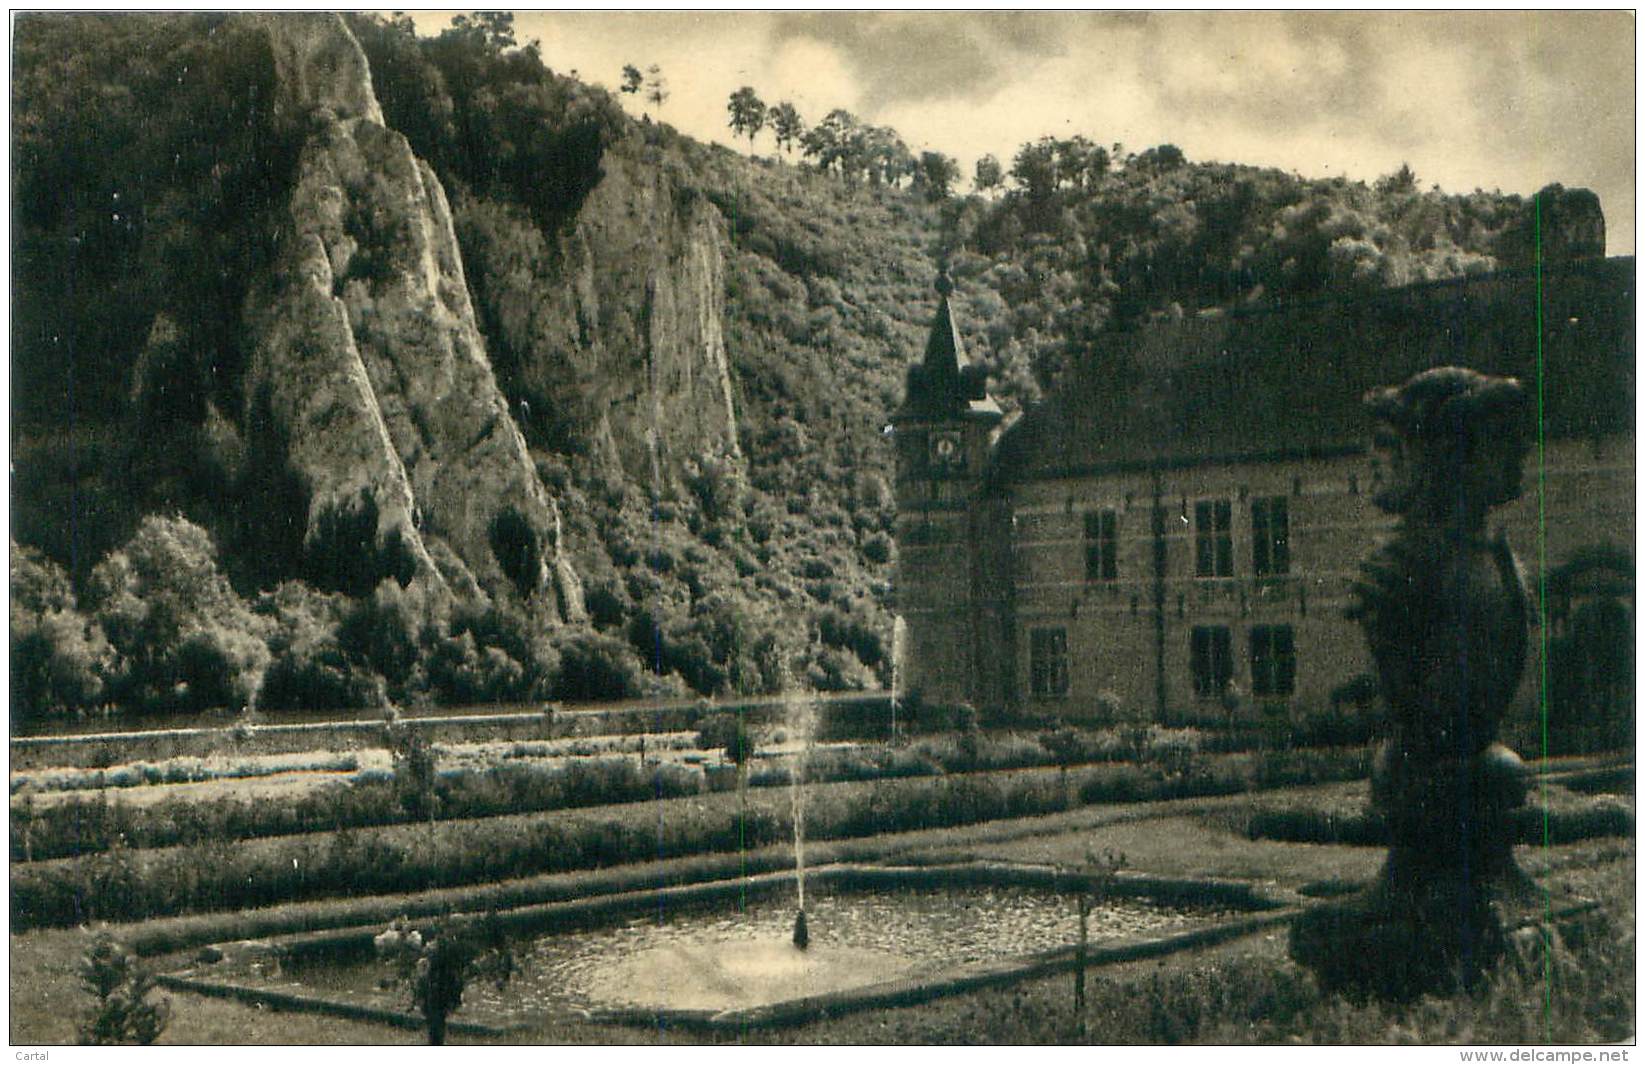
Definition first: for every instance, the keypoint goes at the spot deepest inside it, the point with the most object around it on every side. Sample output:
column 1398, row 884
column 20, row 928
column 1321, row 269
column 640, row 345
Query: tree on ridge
column 747, row 114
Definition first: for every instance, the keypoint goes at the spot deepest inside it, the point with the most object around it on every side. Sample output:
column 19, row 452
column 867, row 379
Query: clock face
column 946, row 451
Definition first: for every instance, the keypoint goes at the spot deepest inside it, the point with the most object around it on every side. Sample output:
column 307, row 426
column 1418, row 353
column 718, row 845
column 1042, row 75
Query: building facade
column 1173, row 535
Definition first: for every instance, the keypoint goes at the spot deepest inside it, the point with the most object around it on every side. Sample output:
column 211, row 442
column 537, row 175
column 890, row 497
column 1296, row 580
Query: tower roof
column 944, row 350
column 944, row 384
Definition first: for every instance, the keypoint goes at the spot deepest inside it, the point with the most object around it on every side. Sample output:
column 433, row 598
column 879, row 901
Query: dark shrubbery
column 110, row 885
column 77, row 827
column 1552, row 815
column 113, row 884
column 729, row 734
column 185, row 640
column 209, row 876
column 436, row 964
column 121, row 986
column 596, row 666
column 59, row 657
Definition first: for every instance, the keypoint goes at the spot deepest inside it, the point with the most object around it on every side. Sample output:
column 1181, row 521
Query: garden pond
column 736, row 953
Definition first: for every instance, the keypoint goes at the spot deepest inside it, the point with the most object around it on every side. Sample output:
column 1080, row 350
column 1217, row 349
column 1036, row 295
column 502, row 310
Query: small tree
column 1164, row 157
column 1093, row 882
column 747, row 114
column 786, row 126
column 186, row 639
column 1401, row 182
column 633, row 80
column 990, row 175
column 438, row 965
column 1096, row 166
column 1070, row 160
column 489, row 29
column 656, row 87
column 835, row 142
column 730, row 734
column 1066, row 748
column 937, row 173
column 1035, row 169
column 416, row 768
column 121, row 984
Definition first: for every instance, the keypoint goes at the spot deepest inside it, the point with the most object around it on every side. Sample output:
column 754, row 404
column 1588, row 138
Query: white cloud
column 812, row 75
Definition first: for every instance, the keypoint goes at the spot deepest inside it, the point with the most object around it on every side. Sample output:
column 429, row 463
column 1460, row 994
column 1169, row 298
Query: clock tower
column 942, row 432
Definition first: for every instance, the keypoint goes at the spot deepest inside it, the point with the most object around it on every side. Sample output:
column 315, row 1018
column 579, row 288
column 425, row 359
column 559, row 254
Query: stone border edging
column 566, row 915
column 973, row 977
column 351, row 1011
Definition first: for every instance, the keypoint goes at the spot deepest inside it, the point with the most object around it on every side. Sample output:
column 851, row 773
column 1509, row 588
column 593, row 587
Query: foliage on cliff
column 146, row 162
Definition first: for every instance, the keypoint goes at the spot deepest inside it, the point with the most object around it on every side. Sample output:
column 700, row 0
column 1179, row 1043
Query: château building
column 1172, row 535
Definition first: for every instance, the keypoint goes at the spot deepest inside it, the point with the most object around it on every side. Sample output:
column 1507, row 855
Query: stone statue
column 1445, row 612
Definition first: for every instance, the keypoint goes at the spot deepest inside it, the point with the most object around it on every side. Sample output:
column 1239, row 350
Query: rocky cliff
column 367, row 361
column 609, row 326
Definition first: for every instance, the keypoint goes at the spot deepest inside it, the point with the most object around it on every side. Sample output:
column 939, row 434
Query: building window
column 1273, row 660
column 1212, row 659
column 1270, row 536
column 1213, row 538
column 1101, row 529
column 1048, row 662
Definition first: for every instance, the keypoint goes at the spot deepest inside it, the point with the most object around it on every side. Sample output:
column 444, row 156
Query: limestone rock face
column 319, row 64
column 613, row 324
column 368, row 363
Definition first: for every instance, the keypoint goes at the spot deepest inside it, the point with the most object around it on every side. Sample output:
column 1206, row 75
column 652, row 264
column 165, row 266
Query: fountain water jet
column 899, row 631
column 801, row 721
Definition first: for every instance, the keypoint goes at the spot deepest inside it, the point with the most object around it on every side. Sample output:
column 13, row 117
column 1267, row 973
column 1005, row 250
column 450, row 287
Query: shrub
column 220, row 667
column 38, row 585
column 719, row 485
column 728, row 733
column 320, row 679
column 515, row 635
column 58, row 662
column 835, row 670
column 1275, row 769
column 596, row 666
column 121, row 986
column 310, row 669
column 851, row 631
column 186, row 640
column 415, row 768
column 387, row 632
column 438, row 965
column 460, row 671
column 878, row 548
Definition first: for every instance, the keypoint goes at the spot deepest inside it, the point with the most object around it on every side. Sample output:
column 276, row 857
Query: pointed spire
column 944, row 351
column 944, row 384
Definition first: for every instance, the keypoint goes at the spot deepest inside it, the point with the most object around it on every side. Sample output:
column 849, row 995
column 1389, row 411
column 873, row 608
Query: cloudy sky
column 1468, row 99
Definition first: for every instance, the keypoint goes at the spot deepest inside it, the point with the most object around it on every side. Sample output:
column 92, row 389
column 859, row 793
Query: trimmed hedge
column 121, row 884
column 79, row 827
column 1553, row 816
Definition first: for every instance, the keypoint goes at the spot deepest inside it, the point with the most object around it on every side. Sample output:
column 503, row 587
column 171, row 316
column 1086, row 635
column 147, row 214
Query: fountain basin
column 720, row 955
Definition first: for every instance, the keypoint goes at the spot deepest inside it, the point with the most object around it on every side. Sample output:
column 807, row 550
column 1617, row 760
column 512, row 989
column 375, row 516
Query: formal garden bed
column 486, row 779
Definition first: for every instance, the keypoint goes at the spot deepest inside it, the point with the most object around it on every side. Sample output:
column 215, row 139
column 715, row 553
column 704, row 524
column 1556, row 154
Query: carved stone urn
column 1445, row 612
